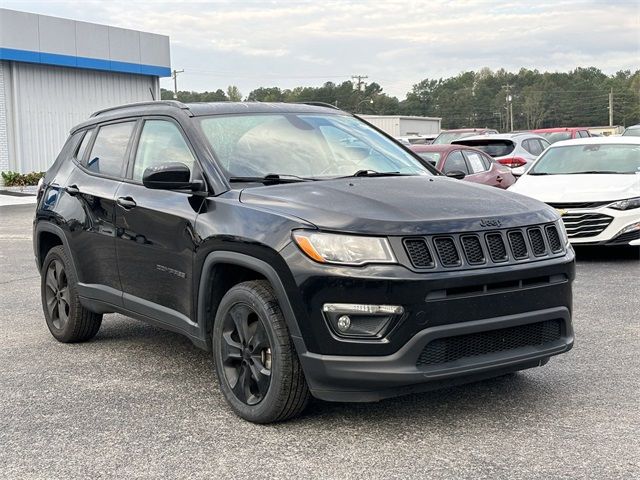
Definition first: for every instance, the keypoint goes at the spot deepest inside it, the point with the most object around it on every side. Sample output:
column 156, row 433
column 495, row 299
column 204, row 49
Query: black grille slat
column 418, row 252
column 518, row 245
column 451, row 349
column 554, row 238
column 497, row 248
column 579, row 204
column 472, row 249
column 447, row 251
column 537, row 242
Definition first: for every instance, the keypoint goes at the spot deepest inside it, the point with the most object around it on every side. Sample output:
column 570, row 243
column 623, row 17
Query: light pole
column 370, row 100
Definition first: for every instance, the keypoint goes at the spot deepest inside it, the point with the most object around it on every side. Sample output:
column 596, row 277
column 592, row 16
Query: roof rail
column 320, row 104
column 168, row 103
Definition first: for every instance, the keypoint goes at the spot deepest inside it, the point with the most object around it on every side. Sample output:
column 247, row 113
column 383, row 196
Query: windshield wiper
column 541, row 173
column 271, row 179
column 589, row 172
column 373, row 173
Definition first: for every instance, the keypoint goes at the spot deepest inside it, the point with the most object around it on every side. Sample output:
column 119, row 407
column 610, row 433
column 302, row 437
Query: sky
column 396, row 44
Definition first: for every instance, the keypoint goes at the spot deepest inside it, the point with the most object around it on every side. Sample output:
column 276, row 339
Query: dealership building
column 55, row 72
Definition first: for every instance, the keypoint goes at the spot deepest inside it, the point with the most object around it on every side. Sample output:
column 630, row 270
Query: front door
column 155, row 230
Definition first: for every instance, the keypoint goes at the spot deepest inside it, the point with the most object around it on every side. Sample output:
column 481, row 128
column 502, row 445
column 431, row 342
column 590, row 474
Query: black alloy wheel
column 57, row 294
column 246, row 353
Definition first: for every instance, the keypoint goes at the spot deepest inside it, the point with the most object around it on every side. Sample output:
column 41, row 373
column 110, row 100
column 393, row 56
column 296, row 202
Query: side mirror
column 458, row 174
column 169, row 176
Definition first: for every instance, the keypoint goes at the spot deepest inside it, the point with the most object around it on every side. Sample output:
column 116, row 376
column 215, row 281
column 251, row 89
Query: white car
column 516, row 150
column 594, row 183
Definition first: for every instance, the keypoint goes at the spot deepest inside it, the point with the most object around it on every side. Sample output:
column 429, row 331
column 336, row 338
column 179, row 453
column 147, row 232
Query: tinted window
column 161, row 142
column 109, row 150
column 475, row 160
column 455, row 162
column 84, row 145
column 492, row 147
column 583, row 133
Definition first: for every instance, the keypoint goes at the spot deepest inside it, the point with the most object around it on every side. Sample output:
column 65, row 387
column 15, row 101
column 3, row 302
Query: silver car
column 515, row 150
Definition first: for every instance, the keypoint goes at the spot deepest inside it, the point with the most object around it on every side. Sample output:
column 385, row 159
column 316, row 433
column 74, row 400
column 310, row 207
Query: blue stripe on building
column 28, row 56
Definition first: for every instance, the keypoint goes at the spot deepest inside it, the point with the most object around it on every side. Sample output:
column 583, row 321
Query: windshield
column 554, row 137
column 575, row 159
column 303, row 145
column 632, row 132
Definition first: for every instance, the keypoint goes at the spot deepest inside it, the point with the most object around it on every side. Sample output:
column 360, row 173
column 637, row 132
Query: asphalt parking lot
column 139, row 402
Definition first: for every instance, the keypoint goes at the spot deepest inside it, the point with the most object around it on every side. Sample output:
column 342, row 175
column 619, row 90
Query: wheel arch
column 47, row 236
column 241, row 267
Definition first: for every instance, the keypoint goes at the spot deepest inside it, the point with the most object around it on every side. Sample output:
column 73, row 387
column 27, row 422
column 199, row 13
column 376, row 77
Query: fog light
column 361, row 320
column 344, row 322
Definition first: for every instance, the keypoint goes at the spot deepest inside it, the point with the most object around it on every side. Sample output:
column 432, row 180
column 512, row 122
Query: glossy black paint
column 166, row 256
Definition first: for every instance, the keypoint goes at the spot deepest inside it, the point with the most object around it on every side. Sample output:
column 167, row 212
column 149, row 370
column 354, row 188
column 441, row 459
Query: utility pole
column 175, row 82
column 360, row 79
column 611, row 107
column 509, row 104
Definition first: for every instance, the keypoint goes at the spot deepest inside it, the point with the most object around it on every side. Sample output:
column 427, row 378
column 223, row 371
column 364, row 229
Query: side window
column 533, row 146
column 475, row 161
column 109, row 150
column 160, row 142
column 455, row 162
column 86, row 140
column 583, row 133
column 543, row 145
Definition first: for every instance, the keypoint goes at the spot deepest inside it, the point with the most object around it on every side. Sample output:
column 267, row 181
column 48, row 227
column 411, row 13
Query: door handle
column 126, row 202
column 499, row 178
column 72, row 190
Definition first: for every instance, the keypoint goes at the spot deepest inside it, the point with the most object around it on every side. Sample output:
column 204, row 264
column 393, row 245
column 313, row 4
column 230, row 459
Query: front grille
column 578, row 204
column 518, row 245
column 447, row 251
column 418, row 252
column 537, row 242
column 451, row 349
column 581, row 225
column 480, row 249
column 472, row 249
column 497, row 250
column 554, row 238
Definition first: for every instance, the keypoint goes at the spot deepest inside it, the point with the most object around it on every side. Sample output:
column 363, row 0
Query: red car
column 553, row 135
column 468, row 163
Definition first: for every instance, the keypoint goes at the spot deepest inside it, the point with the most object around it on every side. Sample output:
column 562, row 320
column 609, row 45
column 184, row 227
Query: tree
column 234, row 94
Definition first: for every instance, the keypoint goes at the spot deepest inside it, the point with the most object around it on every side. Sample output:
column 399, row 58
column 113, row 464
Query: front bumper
column 368, row 378
column 612, row 234
column 437, row 305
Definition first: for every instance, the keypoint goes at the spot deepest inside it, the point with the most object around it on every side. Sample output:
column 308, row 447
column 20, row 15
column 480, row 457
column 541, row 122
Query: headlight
column 344, row 249
column 563, row 232
column 627, row 204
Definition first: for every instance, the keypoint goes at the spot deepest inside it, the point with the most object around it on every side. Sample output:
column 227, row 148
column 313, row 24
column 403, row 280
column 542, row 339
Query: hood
column 413, row 205
column 578, row 188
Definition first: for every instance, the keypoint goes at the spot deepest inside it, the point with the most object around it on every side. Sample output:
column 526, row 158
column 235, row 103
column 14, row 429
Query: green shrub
column 15, row 179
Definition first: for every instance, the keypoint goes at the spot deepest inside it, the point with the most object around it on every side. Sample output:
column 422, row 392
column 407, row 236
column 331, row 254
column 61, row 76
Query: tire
column 67, row 319
column 258, row 369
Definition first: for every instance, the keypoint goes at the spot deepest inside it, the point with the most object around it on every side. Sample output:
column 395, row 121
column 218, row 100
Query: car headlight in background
column 627, row 204
column 344, row 249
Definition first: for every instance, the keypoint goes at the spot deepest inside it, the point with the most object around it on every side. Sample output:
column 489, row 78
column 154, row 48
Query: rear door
column 155, row 228
column 90, row 206
column 479, row 169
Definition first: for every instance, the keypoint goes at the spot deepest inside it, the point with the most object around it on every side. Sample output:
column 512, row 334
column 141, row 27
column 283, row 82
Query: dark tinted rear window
column 495, row 148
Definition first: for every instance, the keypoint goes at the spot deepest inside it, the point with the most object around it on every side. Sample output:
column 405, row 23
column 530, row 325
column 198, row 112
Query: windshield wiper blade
column 540, row 173
column 271, row 179
column 373, row 173
column 590, row 172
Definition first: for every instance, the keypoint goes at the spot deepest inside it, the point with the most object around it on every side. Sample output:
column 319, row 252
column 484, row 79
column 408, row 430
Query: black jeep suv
column 309, row 251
